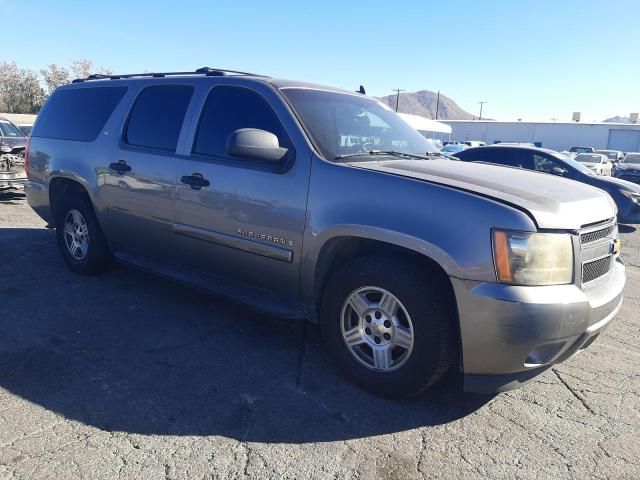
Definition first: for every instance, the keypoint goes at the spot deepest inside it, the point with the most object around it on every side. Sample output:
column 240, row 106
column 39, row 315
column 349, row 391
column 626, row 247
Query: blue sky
column 534, row 60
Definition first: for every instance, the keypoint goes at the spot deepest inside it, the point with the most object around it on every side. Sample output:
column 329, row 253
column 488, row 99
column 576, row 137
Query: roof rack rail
column 207, row 71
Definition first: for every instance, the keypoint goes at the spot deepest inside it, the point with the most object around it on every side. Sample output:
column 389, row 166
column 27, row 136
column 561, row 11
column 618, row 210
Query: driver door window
column 228, row 109
column 546, row 165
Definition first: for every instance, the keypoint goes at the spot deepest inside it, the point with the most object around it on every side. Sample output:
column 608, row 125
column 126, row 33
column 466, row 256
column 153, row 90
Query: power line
column 481, row 105
column 398, row 90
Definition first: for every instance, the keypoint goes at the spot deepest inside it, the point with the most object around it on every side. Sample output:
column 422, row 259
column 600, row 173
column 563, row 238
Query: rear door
column 140, row 179
column 246, row 223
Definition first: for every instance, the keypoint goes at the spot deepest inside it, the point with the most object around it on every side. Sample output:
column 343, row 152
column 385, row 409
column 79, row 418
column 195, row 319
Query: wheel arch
column 61, row 187
column 342, row 248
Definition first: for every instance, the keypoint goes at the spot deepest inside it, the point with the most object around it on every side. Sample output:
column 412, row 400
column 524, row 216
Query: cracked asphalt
column 126, row 375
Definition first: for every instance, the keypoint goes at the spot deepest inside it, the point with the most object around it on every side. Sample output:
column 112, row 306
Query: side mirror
column 558, row 171
column 255, row 144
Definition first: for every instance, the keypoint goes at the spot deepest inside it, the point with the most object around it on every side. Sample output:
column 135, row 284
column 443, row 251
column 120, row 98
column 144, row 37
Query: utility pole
column 398, row 90
column 481, row 105
column 437, row 104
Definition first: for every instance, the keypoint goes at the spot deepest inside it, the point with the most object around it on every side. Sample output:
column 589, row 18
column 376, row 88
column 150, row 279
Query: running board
column 255, row 298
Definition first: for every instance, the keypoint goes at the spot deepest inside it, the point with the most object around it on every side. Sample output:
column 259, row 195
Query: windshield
column 581, row 149
column 588, row 158
column 9, row 129
column 632, row 158
column 572, row 163
column 609, row 154
column 342, row 124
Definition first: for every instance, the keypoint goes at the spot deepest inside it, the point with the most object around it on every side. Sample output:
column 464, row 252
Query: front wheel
column 389, row 324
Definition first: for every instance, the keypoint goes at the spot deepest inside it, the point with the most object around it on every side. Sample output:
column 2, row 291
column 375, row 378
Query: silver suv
column 312, row 202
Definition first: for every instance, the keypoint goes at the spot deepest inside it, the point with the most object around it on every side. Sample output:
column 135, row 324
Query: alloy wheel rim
column 76, row 235
column 377, row 329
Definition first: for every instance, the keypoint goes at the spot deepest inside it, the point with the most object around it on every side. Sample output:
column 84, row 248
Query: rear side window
column 156, row 118
column 228, row 109
column 77, row 114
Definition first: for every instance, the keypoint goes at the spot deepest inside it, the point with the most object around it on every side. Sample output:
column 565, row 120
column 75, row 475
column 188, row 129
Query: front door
column 239, row 218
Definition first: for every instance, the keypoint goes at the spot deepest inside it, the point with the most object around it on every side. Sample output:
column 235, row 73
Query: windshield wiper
column 444, row 155
column 392, row 153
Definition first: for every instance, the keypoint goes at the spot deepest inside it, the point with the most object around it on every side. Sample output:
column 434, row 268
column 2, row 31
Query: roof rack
column 207, row 71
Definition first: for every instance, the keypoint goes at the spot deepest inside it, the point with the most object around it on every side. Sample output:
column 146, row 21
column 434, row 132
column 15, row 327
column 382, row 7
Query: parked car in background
column 577, row 150
column 227, row 182
column 626, row 195
column 597, row 162
column 474, row 143
column 614, row 156
column 453, row 148
column 628, row 168
column 12, row 139
column 26, row 128
column 520, row 144
column 12, row 146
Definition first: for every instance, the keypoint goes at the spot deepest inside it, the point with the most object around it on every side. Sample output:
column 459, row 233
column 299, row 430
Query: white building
column 556, row 136
column 427, row 127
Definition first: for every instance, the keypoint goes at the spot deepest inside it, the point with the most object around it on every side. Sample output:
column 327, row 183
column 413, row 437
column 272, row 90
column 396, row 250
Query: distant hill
column 618, row 119
column 423, row 103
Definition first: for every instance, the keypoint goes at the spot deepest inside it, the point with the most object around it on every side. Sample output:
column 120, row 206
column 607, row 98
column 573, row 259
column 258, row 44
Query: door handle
column 196, row 181
column 120, row 166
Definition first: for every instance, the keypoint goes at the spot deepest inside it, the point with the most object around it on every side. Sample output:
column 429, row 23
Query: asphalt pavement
column 125, row 375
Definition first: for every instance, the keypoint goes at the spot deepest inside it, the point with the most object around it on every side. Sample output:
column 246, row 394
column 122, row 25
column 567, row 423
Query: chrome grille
column 596, row 235
column 595, row 269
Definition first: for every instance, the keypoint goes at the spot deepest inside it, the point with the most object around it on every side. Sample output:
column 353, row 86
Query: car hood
column 15, row 142
column 629, row 167
column 553, row 202
column 612, row 183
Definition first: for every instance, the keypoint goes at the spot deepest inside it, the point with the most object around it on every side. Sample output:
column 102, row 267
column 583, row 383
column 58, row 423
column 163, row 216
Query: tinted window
column 78, row 113
column 157, row 115
column 542, row 163
column 228, row 109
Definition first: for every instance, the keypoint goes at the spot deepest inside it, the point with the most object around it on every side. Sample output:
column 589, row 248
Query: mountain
column 423, row 103
column 618, row 119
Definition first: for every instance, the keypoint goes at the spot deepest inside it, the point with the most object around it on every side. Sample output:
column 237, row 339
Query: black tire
column 427, row 300
column 98, row 256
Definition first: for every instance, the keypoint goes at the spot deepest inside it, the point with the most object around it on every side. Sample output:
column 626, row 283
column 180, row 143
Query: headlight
column 523, row 258
column 633, row 196
column 5, row 148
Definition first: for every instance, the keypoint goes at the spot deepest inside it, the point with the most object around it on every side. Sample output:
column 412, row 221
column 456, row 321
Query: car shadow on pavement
column 129, row 352
column 12, row 197
column 626, row 228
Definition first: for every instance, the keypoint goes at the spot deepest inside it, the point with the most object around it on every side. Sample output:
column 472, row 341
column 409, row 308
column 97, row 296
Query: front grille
column 596, row 269
column 596, row 235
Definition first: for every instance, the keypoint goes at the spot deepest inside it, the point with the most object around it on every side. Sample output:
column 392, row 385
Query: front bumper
column 12, row 179
column 510, row 334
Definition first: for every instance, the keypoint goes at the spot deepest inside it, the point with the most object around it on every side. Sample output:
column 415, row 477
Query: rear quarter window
column 77, row 114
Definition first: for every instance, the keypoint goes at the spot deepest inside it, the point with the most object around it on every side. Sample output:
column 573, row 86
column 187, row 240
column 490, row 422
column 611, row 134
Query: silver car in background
column 597, row 162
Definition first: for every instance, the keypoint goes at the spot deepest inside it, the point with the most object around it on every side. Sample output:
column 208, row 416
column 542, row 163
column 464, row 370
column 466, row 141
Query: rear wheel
column 80, row 239
column 389, row 324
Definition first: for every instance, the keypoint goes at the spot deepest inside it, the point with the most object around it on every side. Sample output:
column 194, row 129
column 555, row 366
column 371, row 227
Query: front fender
column 449, row 226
